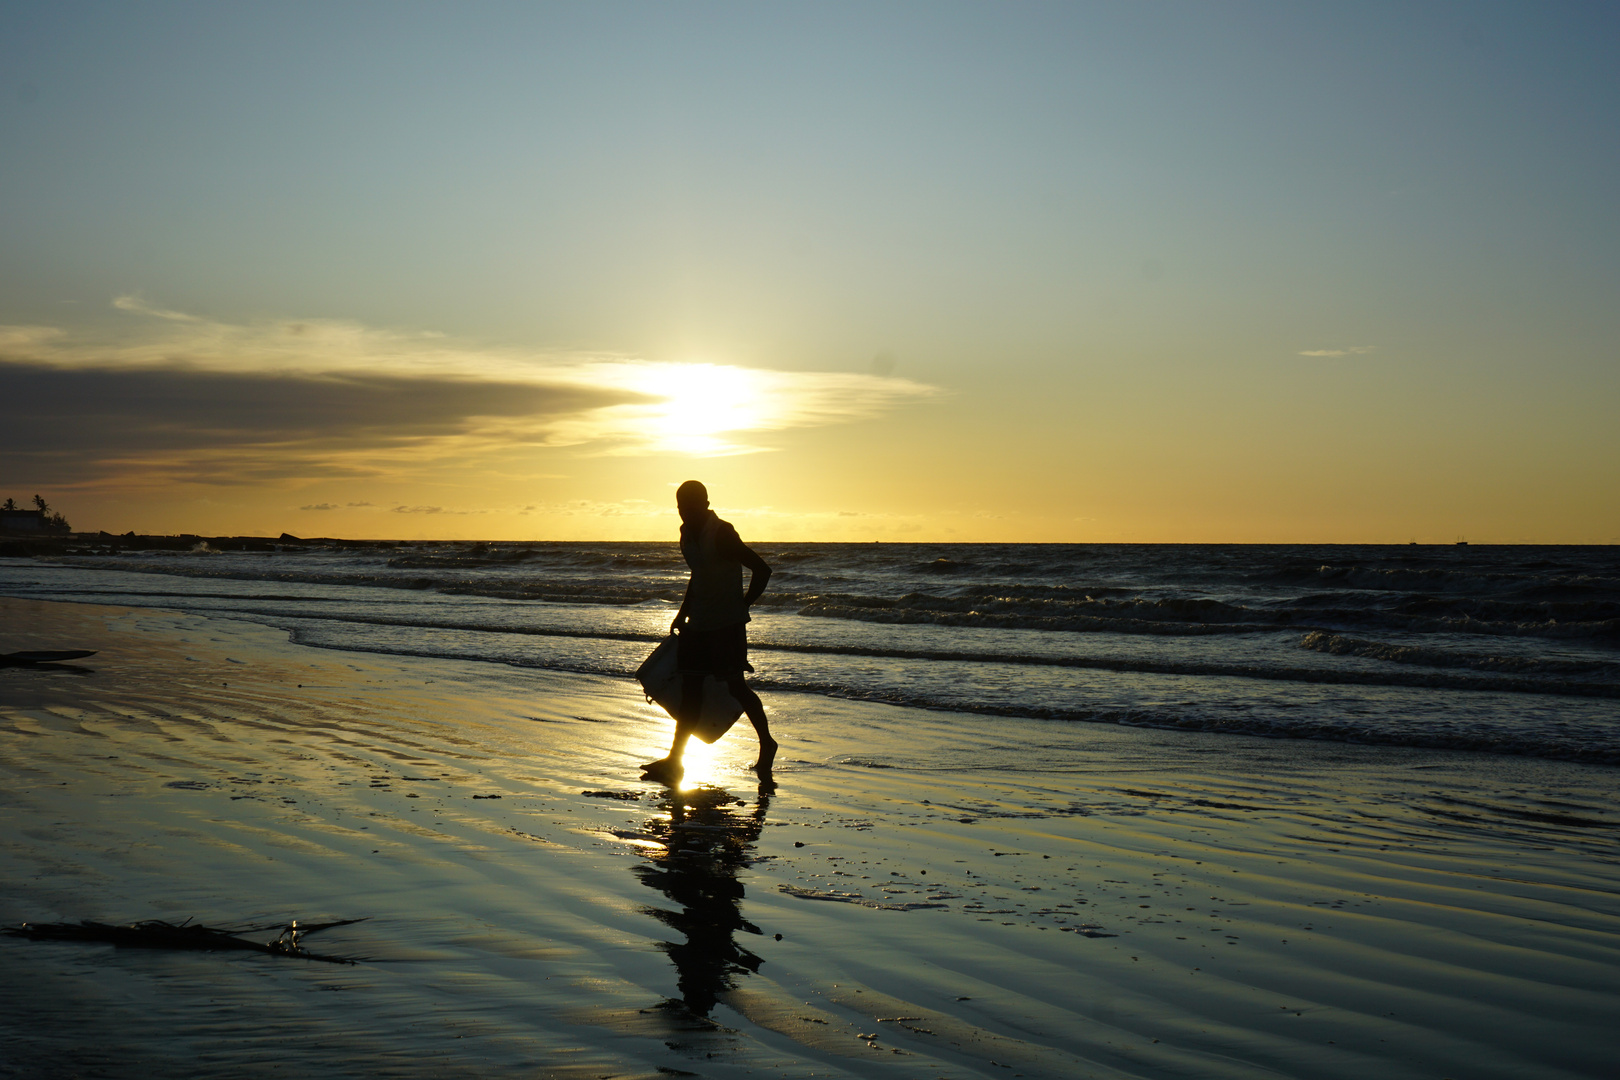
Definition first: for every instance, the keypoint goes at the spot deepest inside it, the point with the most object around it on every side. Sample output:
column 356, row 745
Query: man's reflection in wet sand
column 708, row 838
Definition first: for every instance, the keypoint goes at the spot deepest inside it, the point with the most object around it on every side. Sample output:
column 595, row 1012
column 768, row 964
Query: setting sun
column 703, row 402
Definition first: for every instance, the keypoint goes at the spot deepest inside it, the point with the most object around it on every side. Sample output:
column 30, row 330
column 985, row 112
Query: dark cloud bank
column 65, row 425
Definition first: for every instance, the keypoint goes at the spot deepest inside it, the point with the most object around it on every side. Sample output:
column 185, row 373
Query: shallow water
column 1514, row 650
column 954, row 897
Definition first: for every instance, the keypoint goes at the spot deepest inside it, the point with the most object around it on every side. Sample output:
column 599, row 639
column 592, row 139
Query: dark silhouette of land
column 105, row 543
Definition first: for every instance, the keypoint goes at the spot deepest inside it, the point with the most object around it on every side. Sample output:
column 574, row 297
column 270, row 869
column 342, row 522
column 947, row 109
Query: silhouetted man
column 712, row 625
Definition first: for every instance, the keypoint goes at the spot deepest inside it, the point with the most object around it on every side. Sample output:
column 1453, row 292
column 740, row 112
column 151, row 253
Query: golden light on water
column 702, row 761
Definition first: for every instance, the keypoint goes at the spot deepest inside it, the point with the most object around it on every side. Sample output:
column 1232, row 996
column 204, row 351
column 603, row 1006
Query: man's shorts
column 722, row 652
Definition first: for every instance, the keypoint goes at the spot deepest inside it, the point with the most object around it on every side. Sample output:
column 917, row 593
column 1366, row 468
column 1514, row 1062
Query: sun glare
column 702, row 762
column 703, row 402
column 708, row 410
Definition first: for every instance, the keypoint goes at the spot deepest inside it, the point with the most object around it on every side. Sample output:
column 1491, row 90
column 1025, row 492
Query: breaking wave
column 1511, row 650
column 1341, row 645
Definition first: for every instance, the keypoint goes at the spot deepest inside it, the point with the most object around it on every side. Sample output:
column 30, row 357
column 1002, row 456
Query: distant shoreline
column 15, row 545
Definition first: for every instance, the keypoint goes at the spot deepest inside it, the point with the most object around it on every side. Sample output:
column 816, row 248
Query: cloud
column 699, row 409
column 1351, row 350
column 625, row 508
column 640, row 508
column 135, row 305
column 172, row 397
column 22, row 339
column 154, row 425
column 320, row 506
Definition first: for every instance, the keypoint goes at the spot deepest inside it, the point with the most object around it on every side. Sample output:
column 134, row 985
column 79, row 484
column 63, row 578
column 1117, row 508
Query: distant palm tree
column 39, row 502
column 10, row 504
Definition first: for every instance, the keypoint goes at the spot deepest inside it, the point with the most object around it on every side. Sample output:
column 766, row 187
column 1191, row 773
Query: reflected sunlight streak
column 702, row 762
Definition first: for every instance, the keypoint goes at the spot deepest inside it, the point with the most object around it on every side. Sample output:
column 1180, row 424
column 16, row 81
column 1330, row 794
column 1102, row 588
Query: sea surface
column 1511, row 650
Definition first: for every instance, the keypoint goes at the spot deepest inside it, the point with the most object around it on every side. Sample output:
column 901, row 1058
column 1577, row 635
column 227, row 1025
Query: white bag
column 663, row 683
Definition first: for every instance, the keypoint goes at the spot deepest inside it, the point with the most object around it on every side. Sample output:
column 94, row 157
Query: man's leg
column 669, row 769
column 756, row 716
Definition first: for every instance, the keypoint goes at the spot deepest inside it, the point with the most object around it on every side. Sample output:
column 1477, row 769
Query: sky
column 1076, row 272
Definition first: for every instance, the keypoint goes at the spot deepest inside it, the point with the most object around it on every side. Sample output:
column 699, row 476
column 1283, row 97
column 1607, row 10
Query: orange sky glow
column 1070, row 274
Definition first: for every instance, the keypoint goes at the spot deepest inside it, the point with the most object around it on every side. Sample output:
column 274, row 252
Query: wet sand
column 951, row 900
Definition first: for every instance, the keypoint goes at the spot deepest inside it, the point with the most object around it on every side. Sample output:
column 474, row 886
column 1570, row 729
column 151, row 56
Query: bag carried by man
column 664, row 684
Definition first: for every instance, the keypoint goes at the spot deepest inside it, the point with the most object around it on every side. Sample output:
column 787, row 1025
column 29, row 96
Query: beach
column 1139, row 468
column 1105, row 901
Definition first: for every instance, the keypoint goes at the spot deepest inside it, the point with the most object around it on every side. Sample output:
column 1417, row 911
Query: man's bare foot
column 767, row 755
column 664, row 771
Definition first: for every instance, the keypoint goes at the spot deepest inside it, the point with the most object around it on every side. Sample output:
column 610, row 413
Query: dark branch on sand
column 158, row 934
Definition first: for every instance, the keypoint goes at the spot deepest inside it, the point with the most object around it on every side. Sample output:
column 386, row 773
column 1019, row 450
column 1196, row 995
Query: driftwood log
column 158, row 934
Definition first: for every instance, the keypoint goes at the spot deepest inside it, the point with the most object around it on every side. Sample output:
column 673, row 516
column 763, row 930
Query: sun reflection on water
column 702, row 762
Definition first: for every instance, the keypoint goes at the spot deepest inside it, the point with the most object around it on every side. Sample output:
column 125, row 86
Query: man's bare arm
column 680, row 613
column 760, row 573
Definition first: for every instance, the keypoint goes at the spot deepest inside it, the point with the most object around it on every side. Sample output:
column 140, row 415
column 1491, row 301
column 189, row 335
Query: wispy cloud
column 136, row 306
column 708, row 409
column 26, row 339
column 1349, row 350
column 176, row 397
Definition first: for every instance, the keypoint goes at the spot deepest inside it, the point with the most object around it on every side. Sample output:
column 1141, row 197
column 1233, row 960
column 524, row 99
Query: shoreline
column 51, row 546
column 1507, row 744
column 535, row 908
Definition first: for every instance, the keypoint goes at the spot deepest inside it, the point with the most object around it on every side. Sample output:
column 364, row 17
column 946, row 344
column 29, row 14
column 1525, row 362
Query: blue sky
column 1150, row 270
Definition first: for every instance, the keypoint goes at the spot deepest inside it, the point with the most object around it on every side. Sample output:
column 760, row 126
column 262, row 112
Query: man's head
column 691, row 499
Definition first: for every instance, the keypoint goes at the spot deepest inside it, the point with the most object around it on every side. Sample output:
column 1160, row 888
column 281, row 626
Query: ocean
column 1510, row 650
